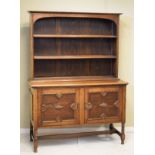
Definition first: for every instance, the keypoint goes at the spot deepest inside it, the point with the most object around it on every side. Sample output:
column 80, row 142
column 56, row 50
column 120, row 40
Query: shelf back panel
column 91, row 26
column 57, row 68
column 54, row 47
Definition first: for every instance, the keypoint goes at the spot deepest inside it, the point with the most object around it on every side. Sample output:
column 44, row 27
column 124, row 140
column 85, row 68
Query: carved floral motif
column 56, row 106
column 102, row 115
column 103, row 104
column 46, row 106
column 88, row 105
column 58, row 95
column 103, row 93
column 116, row 103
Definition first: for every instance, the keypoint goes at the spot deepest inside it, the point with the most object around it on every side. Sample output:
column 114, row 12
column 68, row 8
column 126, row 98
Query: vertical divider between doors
column 82, row 102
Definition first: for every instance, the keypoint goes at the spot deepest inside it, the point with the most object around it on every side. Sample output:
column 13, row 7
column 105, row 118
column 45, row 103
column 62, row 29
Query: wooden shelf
column 77, row 78
column 71, row 36
column 77, row 57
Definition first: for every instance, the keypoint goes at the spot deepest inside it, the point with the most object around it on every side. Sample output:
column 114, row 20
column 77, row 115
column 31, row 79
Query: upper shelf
column 83, row 27
column 72, row 36
column 77, row 57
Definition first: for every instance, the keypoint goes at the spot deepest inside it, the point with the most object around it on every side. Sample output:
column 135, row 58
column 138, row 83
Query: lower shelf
column 72, row 135
column 112, row 130
column 80, row 67
column 78, row 78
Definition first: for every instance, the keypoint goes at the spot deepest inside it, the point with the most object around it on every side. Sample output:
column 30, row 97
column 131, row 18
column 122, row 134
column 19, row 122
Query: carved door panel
column 102, row 105
column 59, row 107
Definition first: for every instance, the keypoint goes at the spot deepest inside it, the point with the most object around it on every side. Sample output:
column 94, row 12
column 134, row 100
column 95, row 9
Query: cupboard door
column 59, row 107
column 102, row 105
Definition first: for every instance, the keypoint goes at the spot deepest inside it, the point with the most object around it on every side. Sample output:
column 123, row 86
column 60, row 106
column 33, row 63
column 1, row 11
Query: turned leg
column 111, row 127
column 122, row 133
column 35, row 140
column 31, row 132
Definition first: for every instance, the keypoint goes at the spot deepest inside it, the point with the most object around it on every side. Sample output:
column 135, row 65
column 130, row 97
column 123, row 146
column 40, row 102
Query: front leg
column 35, row 141
column 122, row 133
column 31, row 132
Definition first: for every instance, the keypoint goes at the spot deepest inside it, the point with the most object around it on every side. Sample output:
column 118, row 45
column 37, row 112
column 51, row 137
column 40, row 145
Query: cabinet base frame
column 112, row 130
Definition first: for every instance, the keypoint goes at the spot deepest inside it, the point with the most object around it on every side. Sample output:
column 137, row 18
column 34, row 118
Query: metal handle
column 74, row 106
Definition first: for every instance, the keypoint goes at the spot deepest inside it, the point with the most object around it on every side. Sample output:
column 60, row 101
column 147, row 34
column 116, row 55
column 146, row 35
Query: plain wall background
column 125, row 47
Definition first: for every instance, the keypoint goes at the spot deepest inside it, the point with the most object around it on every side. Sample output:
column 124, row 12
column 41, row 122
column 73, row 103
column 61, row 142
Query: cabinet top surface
column 56, row 82
column 99, row 13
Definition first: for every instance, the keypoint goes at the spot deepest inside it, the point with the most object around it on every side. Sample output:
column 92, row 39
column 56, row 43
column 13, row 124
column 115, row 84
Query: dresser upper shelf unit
column 64, row 44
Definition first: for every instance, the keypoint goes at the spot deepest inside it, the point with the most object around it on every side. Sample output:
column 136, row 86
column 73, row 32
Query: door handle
column 74, row 106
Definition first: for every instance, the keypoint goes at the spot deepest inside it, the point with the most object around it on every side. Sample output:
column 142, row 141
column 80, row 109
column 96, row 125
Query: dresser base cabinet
column 77, row 106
